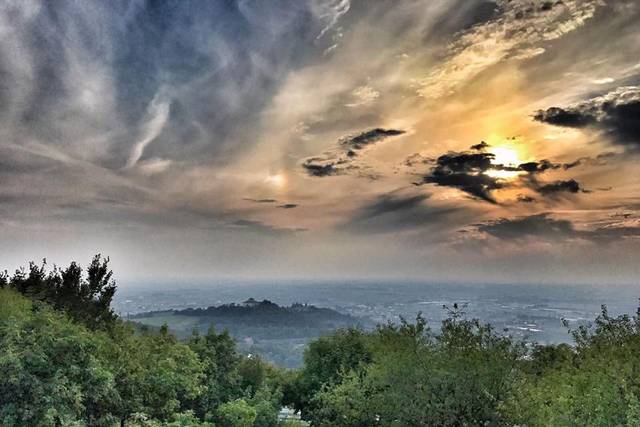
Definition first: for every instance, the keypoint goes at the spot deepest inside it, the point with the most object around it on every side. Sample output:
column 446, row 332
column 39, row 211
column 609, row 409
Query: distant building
column 299, row 307
column 287, row 413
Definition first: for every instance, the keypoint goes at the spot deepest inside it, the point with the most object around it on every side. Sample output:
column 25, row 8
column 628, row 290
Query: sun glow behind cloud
column 278, row 180
column 508, row 157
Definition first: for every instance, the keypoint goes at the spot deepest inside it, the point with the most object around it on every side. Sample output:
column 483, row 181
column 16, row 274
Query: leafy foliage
column 87, row 300
column 237, row 413
column 67, row 360
column 470, row 375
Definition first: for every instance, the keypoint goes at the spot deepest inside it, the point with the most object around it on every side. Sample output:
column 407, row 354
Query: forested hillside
column 67, row 360
column 278, row 334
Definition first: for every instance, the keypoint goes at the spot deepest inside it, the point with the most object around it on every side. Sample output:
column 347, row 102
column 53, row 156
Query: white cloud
column 363, row 95
column 604, row 81
column 330, row 11
column 515, row 33
column 158, row 113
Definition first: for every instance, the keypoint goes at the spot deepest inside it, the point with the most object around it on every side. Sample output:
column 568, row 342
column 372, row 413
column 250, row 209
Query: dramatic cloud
column 570, row 186
column 466, row 171
column 543, row 226
column 571, row 117
column 538, row 167
column 617, row 114
column 321, row 167
column 517, row 31
column 158, row 115
column 531, row 226
column 397, row 212
column 475, row 173
column 341, row 161
column 358, row 142
column 481, row 146
column 389, row 204
column 194, row 134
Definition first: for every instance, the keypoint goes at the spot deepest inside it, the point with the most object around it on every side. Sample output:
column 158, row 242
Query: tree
column 325, row 360
column 221, row 382
column 460, row 377
column 237, row 413
column 267, row 403
column 87, row 301
column 49, row 372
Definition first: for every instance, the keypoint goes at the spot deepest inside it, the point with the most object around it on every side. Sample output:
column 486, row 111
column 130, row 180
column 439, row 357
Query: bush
column 236, row 414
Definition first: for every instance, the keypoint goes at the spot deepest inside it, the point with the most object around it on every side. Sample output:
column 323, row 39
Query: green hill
column 279, row 334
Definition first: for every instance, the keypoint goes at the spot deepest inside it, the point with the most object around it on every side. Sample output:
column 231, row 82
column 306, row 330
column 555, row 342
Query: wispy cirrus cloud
column 158, row 114
column 516, row 32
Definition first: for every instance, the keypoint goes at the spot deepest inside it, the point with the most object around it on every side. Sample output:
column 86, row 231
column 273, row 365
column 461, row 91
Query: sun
column 505, row 156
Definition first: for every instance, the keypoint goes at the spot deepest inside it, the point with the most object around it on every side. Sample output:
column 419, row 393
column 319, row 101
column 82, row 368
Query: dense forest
column 67, row 360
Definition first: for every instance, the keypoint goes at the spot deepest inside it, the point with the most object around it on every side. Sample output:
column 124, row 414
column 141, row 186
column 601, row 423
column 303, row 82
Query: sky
column 434, row 140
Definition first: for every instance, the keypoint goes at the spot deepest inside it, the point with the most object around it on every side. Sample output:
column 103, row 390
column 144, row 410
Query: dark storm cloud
column 466, row 162
column 469, row 172
column 569, row 186
column 599, row 160
column 372, row 136
column 320, row 167
column 479, row 186
column 545, row 165
column 616, row 114
column 538, row 167
column 480, row 147
column 545, row 227
column 332, row 163
column 571, row 117
column 466, row 171
column 393, row 212
column 551, row 189
column 573, row 164
column 536, row 225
